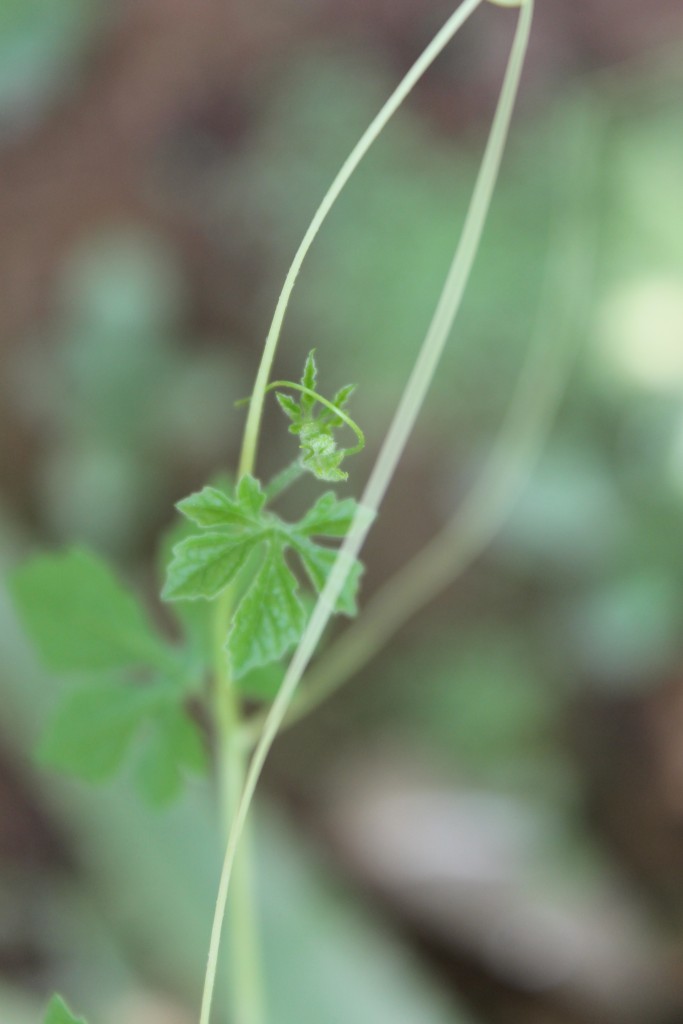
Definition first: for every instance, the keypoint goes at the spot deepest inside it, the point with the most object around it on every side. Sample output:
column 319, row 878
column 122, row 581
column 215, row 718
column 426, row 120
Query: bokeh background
column 486, row 823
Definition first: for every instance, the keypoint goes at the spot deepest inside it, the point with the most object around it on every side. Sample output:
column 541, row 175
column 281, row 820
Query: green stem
column 397, row 436
column 284, row 480
column 246, row 995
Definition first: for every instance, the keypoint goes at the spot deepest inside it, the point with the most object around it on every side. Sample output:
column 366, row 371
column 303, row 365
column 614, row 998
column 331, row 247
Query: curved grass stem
column 516, row 450
column 402, row 423
column 403, row 89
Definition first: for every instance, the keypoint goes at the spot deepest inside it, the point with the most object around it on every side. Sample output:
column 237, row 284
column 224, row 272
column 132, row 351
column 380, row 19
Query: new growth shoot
column 402, row 423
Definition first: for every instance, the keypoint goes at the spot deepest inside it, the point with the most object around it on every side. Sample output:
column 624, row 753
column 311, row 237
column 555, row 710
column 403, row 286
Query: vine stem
column 402, row 422
column 566, row 292
column 283, row 480
column 405, row 86
column 230, row 722
column 246, row 993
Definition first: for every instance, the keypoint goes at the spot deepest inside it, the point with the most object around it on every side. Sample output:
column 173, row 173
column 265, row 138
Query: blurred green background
column 486, row 823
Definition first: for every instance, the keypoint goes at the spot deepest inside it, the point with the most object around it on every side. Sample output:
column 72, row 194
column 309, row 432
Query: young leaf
column 93, row 729
column 340, row 400
column 80, row 617
column 205, row 563
column 250, row 496
column 211, row 507
column 318, row 562
column 320, row 453
column 328, row 517
column 173, row 747
column 343, row 395
column 58, row 1012
column 308, row 379
column 289, row 407
column 270, row 617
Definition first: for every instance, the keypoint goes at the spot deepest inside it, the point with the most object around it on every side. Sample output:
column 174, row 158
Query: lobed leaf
column 289, row 407
column 343, row 395
column 340, row 400
column 308, row 379
column 204, row 564
column 329, row 517
column 193, row 617
column 250, row 496
column 93, row 729
column 173, row 747
column 79, row 617
column 270, row 617
column 320, row 453
column 211, row 507
column 318, row 562
column 58, row 1012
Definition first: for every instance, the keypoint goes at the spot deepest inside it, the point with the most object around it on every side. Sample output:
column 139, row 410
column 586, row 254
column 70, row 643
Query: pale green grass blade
column 390, row 453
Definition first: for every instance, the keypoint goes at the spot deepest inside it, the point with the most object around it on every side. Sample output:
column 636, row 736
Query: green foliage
column 132, row 703
column 81, row 619
column 192, row 618
column 212, row 507
column 269, row 616
column 41, row 43
column 59, row 1013
column 319, row 452
column 173, row 746
column 95, row 727
column 318, row 562
column 122, row 394
column 204, row 564
column 328, row 517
